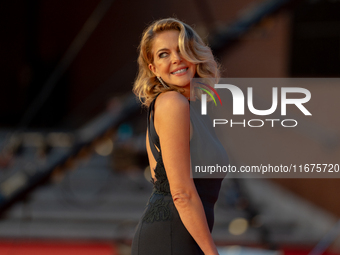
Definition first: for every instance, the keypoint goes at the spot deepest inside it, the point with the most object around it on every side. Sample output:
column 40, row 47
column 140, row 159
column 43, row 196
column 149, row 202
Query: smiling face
column 168, row 62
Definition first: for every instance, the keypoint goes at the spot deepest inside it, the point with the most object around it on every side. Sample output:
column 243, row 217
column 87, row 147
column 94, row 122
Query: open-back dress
column 160, row 230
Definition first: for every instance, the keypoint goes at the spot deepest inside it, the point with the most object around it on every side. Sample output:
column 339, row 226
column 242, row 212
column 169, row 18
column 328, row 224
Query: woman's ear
column 153, row 69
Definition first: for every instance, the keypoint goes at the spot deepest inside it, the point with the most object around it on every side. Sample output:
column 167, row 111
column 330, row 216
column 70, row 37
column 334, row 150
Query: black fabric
column 160, row 230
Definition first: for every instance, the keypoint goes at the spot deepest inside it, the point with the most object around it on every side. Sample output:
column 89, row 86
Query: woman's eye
column 163, row 55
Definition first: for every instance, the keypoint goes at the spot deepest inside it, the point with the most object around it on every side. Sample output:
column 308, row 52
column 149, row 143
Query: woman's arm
column 172, row 123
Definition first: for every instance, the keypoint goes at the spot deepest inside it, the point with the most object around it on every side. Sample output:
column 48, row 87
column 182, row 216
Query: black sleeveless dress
column 160, row 230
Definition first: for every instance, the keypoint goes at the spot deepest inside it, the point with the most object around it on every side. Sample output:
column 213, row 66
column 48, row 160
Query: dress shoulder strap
column 153, row 136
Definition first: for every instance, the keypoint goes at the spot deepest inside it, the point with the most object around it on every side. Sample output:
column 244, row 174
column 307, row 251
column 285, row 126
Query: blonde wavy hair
column 192, row 49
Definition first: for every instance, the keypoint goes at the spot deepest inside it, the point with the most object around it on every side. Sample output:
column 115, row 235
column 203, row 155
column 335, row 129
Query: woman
column 179, row 216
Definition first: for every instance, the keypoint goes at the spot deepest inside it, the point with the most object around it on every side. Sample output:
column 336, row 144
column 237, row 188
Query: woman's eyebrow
column 161, row 50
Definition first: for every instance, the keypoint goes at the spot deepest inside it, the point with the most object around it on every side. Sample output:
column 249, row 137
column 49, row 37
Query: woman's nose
column 176, row 57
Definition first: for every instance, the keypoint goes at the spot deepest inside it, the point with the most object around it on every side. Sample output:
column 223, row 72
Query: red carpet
column 55, row 248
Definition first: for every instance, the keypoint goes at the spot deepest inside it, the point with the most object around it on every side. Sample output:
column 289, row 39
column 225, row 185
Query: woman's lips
column 180, row 71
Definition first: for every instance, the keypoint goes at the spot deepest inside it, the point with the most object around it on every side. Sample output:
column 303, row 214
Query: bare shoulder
column 171, row 101
column 172, row 112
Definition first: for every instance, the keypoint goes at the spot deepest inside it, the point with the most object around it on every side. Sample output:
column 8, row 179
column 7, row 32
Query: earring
column 162, row 82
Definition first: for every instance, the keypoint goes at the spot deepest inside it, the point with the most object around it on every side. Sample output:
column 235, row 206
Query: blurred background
column 74, row 176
